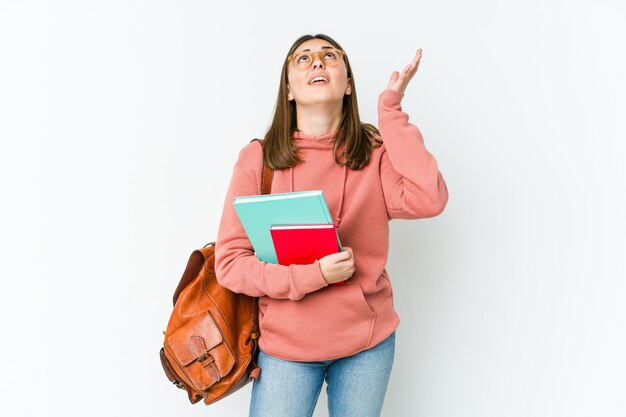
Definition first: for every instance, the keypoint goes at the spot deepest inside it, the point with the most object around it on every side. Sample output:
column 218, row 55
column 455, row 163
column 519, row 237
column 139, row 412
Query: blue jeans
column 356, row 385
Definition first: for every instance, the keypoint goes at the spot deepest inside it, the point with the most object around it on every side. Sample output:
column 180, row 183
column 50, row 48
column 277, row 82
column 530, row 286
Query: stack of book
column 289, row 228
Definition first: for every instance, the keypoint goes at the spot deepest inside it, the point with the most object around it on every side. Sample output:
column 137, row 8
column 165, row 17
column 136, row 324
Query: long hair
column 354, row 141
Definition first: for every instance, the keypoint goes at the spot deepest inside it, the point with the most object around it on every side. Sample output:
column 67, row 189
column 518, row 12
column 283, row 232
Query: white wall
column 120, row 122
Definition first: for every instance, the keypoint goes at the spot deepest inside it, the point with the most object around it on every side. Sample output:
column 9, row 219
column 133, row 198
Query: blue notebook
column 258, row 213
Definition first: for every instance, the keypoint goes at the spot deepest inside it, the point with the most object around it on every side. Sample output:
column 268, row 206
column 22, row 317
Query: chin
column 325, row 100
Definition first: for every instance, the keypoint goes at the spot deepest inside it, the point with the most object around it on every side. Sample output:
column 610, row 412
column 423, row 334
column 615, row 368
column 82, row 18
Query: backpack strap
column 266, row 175
column 266, row 188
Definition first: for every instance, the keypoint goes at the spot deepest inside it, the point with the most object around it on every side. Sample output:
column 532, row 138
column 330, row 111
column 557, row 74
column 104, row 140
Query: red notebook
column 302, row 244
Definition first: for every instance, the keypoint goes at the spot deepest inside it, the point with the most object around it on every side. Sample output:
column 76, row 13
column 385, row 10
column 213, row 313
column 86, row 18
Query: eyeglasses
column 303, row 60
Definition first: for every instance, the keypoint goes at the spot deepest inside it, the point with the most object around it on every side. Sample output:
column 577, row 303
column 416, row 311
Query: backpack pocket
column 201, row 352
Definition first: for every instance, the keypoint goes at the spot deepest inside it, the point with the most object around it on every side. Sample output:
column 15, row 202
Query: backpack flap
column 200, row 350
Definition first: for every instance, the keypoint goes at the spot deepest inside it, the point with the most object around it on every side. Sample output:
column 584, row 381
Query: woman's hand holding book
column 338, row 267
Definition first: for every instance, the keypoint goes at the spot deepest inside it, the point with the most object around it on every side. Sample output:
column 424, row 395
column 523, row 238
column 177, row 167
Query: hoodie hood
column 305, row 140
column 326, row 141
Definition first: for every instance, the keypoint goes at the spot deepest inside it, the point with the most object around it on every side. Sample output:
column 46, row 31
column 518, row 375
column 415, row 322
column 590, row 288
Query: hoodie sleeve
column 412, row 184
column 236, row 266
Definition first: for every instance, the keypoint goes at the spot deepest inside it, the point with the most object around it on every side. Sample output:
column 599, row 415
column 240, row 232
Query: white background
column 120, row 122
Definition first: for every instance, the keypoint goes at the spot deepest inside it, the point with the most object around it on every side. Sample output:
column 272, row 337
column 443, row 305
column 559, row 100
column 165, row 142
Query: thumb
column 343, row 255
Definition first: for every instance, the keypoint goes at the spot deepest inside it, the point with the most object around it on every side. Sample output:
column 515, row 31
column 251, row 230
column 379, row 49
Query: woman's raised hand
column 338, row 266
column 399, row 80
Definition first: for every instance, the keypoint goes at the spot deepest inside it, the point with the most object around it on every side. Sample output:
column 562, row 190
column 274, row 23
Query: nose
column 317, row 61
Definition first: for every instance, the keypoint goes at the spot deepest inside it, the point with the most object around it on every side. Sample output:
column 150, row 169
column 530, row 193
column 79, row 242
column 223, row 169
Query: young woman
column 312, row 331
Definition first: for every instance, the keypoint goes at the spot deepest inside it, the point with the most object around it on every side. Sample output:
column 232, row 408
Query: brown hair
column 355, row 139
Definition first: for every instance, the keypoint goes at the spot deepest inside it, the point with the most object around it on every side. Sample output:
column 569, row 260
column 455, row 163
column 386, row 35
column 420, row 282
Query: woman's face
column 330, row 89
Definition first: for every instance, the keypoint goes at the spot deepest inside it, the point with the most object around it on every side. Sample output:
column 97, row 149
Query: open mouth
column 318, row 80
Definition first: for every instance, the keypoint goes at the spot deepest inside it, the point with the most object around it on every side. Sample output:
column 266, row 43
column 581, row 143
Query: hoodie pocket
column 331, row 323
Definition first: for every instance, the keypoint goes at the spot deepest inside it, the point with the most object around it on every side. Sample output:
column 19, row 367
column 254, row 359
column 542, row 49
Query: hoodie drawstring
column 343, row 192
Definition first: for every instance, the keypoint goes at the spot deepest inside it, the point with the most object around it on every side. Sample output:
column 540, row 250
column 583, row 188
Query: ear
column 289, row 95
column 348, row 88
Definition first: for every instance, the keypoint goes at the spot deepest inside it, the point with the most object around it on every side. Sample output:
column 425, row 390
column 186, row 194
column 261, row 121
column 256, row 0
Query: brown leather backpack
column 210, row 347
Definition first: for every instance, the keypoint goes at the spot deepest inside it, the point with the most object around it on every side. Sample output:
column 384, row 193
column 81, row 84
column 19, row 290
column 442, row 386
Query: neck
column 318, row 120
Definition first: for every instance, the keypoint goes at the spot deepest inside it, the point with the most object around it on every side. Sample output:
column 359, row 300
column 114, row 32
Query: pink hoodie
column 302, row 318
